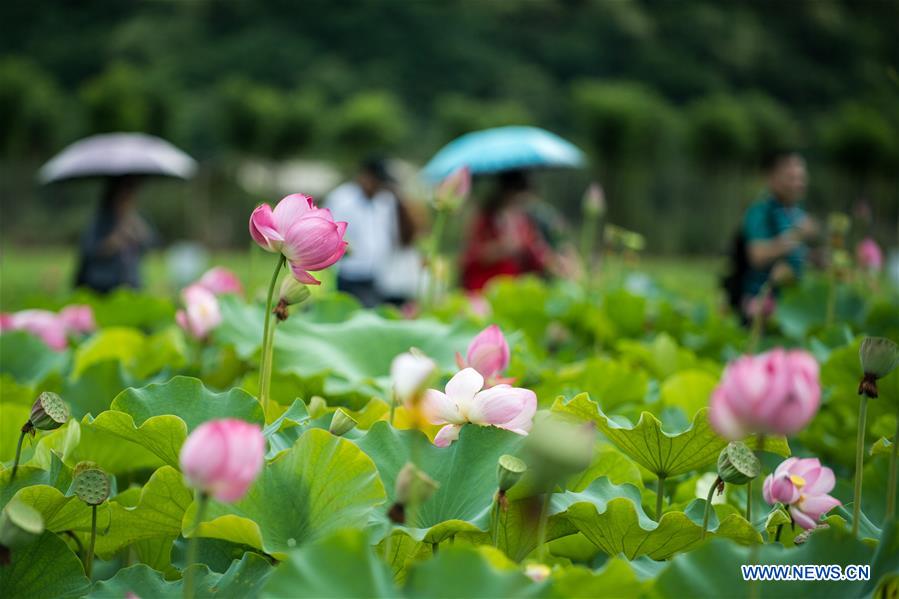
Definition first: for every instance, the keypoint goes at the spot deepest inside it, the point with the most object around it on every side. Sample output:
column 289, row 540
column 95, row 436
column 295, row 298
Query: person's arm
column 764, row 252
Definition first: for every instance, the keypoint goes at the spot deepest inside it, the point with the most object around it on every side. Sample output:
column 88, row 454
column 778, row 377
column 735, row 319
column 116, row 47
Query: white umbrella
column 116, row 154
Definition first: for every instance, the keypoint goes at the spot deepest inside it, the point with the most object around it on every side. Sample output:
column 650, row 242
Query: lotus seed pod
column 341, row 423
column 879, row 356
column 737, row 464
column 293, row 292
column 48, row 412
column 414, row 485
column 91, row 485
column 558, row 448
column 509, row 471
column 20, row 524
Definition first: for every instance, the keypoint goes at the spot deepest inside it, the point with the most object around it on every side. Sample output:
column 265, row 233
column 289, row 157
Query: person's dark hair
column 377, row 167
column 508, row 183
column 773, row 159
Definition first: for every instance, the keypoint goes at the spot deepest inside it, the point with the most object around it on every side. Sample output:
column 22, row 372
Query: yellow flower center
column 797, row 480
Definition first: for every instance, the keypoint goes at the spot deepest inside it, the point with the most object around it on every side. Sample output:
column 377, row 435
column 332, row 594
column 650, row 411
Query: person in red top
column 503, row 239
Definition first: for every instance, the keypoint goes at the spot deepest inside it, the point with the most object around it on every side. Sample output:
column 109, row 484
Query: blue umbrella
column 503, row 149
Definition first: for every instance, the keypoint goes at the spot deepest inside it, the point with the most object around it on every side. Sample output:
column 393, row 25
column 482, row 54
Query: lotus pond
column 602, row 492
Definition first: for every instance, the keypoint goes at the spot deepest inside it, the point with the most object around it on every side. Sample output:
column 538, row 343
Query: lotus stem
column 541, row 527
column 494, row 522
column 193, row 547
column 660, row 496
column 89, row 556
column 891, row 485
column 15, row 464
column 265, row 368
column 749, row 501
column 588, row 242
column 859, row 462
column 780, row 528
column 708, row 506
column 433, row 252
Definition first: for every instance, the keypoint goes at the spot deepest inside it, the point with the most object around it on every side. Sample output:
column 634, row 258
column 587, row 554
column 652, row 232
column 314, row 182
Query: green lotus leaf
column 244, row 578
column 465, row 471
column 45, row 568
column 94, row 390
column 114, row 449
column 319, row 569
column 14, row 392
column 616, row 578
column 12, row 417
column 801, row 311
column 124, row 307
column 56, row 475
column 882, row 446
column 487, row 573
column 27, row 359
column 688, row 390
column 60, row 512
column 612, row 382
column 158, row 514
column 714, row 570
column 146, row 417
column 612, row 517
column 885, row 563
column 611, row 464
column 662, row 453
column 321, row 484
column 138, row 353
column 342, row 350
column 119, row 344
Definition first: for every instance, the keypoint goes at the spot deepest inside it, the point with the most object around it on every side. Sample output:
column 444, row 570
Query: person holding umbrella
column 117, row 238
column 511, row 233
column 115, row 241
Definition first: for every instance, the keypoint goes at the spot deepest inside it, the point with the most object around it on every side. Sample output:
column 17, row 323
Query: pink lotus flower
column 44, row 324
column 201, row 313
column 777, row 392
column 219, row 280
column 78, row 318
column 502, row 406
column 802, row 484
column 223, row 458
column 869, row 255
column 488, row 353
column 307, row 236
column 594, row 201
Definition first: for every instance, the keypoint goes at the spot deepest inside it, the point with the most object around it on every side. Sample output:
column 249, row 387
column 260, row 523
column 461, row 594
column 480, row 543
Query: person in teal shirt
column 776, row 229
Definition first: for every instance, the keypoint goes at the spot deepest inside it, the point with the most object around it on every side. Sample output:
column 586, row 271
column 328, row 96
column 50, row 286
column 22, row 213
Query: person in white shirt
column 377, row 228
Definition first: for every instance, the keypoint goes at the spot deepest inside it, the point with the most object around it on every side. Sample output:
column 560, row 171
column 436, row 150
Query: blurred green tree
column 720, row 131
column 123, row 98
column 370, row 122
column 859, row 138
column 30, row 109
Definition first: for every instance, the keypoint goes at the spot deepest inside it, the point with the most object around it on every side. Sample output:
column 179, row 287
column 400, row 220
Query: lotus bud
column 20, row 524
column 737, row 464
column 48, row 412
column 879, row 356
column 90, row 484
column 292, row 292
column 594, row 202
column 341, row 423
column 317, row 406
column 509, row 471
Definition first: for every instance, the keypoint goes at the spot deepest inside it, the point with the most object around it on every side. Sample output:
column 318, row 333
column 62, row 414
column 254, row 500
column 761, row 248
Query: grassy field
column 30, row 276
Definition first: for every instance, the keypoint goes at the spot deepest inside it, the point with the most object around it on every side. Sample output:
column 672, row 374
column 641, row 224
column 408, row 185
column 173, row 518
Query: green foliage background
column 675, row 101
